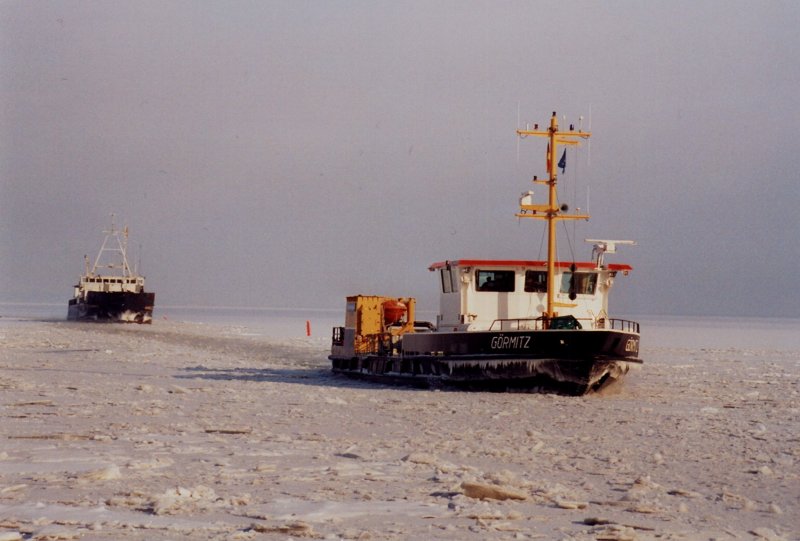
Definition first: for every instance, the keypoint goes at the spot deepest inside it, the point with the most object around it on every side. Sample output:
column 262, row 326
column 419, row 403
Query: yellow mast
column 551, row 211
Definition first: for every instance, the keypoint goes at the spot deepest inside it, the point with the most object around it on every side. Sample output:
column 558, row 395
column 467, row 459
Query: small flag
column 562, row 163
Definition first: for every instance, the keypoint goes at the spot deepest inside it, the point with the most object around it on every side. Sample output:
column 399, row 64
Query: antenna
column 603, row 246
column 588, row 161
column 518, row 129
column 588, row 196
column 589, row 144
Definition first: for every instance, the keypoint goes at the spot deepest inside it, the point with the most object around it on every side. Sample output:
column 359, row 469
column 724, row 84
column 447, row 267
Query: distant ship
column 117, row 295
column 502, row 324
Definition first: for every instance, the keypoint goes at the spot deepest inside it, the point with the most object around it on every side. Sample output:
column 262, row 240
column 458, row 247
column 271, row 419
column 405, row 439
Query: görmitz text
column 510, row 342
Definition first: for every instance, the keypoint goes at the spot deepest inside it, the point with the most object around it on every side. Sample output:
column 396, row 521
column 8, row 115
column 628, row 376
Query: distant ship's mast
column 120, row 249
column 551, row 212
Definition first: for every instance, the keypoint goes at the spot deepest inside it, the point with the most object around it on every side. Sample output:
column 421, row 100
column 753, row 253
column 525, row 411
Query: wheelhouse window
column 447, row 285
column 535, row 281
column 449, row 280
column 585, row 282
column 494, row 280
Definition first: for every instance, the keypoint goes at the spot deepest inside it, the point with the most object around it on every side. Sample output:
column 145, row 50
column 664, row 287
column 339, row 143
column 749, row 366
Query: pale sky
column 287, row 154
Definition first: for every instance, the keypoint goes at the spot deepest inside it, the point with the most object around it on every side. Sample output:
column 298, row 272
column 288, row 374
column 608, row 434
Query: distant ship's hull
column 118, row 306
column 569, row 361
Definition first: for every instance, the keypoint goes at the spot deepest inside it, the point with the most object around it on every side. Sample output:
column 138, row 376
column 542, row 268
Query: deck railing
column 623, row 325
column 541, row 323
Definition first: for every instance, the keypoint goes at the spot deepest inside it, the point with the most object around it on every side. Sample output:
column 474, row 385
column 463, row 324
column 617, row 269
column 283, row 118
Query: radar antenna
column 603, row 246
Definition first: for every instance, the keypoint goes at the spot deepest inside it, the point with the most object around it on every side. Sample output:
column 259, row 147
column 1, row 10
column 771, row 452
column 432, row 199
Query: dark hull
column 568, row 361
column 122, row 307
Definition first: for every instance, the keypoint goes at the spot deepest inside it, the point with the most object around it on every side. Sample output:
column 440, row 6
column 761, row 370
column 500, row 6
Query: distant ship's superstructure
column 117, row 293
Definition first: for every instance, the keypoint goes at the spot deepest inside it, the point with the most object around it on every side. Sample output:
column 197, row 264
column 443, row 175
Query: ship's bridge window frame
column 535, row 281
column 585, row 283
column 497, row 281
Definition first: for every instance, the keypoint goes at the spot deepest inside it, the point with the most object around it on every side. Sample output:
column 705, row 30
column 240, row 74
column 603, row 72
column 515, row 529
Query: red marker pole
column 308, row 328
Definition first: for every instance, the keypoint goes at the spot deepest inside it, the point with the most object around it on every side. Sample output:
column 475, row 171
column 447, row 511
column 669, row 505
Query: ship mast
column 551, row 212
column 121, row 250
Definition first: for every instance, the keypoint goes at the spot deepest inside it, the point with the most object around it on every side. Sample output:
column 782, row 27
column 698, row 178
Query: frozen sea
column 711, row 332
column 227, row 424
